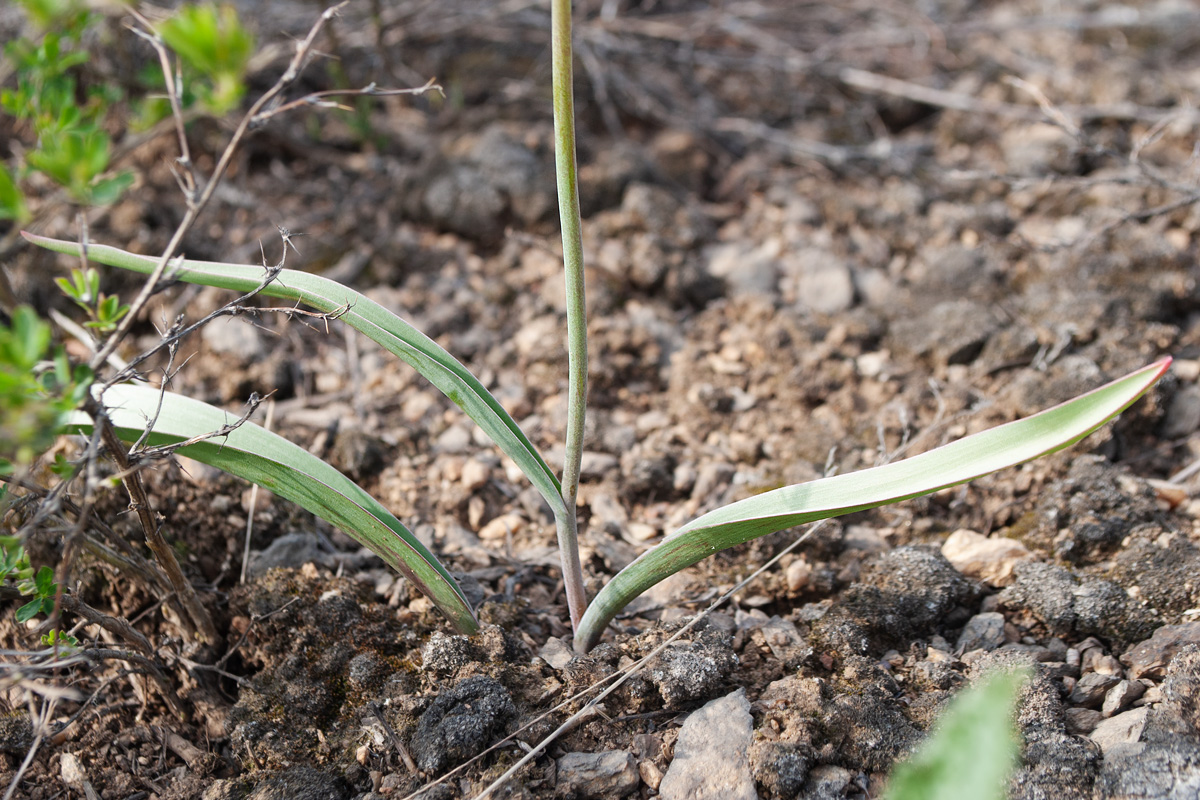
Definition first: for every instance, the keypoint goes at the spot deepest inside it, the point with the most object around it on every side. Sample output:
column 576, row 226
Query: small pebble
column 1082, row 721
column 1124, row 728
column 1121, row 697
column 475, row 474
column 1091, row 689
column 612, row 773
column 798, row 573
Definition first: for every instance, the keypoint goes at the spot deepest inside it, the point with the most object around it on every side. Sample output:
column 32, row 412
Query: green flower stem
column 572, row 236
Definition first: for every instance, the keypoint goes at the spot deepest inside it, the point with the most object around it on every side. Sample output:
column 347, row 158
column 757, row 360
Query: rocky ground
column 819, row 237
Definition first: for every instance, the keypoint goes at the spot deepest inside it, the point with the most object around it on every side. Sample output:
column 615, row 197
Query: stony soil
column 799, row 262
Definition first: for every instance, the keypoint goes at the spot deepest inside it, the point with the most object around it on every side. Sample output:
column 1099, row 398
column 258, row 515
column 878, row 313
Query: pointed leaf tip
column 949, row 465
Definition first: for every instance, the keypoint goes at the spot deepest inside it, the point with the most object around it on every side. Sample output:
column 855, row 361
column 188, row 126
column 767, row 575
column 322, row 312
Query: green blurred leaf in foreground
column 973, row 749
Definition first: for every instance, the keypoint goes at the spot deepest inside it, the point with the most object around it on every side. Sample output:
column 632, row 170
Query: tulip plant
column 265, row 458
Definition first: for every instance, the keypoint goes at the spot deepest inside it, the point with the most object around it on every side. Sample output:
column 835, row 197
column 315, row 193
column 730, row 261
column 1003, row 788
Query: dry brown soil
column 819, row 236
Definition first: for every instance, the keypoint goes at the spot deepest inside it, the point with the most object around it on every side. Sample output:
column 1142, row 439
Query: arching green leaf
column 952, row 464
column 288, row 470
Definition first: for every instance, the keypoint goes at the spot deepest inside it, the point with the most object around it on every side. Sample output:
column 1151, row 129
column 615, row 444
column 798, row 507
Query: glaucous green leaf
column 288, row 470
column 372, row 320
column 949, row 465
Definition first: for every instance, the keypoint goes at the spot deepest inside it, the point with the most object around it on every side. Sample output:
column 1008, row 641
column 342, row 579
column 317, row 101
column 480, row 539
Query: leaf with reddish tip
column 949, row 465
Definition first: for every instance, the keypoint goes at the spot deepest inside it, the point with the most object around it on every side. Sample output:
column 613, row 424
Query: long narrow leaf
column 289, row 471
column 950, row 465
column 372, row 320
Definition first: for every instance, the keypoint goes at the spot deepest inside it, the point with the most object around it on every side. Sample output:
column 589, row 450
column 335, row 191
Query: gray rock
column 1015, row 344
column 744, row 269
column 461, row 723
column 1037, row 148
column 691, row 284
column 1068, row 377
column 1170, row 771
column 593, row 465
column 1122, row 729
column 223, row 789
column 471, row 588
column 823, row 283
column 616, row 552
column 292, row 551
column 864, row 539
column 455, row 539
column 711, row 479
column 712, row 753
column 649, row 207
column 1122, row 696
column 1090, row 690
column 652, row 475
column 73, row 775
column 1150, row 658
column 1082, row 721
column 556, row 653
column 357, row 453
column 234, row 337
column 515, row 170
column 1155, row 752
column 1183, row 414
column 785, row 642
column 301, row 783
column 950, row 271
column 953, row 332
column 477, row 193
column 535, row 506
column 440, row 791
column 461, row 199
column 982, row 632
column 453, row 440
column 612, row 773
column 603, row 178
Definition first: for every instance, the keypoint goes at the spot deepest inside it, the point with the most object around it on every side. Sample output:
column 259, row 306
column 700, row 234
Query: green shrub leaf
column 29, row 610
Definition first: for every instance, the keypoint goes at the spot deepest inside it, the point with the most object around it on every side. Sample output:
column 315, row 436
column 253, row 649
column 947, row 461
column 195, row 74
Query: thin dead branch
column 196, row 206
column 198, row 619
